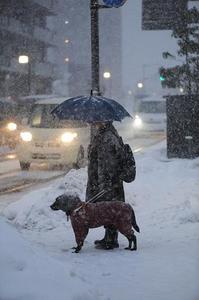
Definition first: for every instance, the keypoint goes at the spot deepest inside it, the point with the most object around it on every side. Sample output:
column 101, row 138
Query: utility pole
column 94, row 6
column 95, row 65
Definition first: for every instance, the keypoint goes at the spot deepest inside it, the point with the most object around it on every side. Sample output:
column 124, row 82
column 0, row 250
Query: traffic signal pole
column 95, row 65
column 94, row 6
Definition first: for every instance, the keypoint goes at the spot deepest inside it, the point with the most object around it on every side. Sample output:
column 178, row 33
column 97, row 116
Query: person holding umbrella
column 105, row 161
column 104, row 165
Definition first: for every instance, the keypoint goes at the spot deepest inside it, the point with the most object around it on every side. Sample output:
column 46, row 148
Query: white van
column 150, row 114
column 47, row 139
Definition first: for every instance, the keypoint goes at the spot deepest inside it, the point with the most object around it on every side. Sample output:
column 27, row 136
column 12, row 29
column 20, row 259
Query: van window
column 41, row 117
column 152, row 107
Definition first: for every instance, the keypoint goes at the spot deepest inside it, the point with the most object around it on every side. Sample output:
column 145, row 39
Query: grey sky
column 142, row 48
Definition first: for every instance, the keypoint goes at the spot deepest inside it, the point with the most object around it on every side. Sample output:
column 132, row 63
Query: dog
column 84, row 216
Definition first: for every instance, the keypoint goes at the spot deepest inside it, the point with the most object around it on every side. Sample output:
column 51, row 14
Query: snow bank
column 165, row 192
column 33, row 210
column 168, row 188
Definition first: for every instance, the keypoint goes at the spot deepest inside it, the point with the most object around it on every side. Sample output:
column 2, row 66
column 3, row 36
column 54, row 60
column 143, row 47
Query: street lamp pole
column 107, row 77
column 95, row 66
column 25, row 59
column 94, row 6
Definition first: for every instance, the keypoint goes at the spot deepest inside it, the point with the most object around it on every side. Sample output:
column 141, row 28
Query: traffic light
column 162, row 78
column 169, row 77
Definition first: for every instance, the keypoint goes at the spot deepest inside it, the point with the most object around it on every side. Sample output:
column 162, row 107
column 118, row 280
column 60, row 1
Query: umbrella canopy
column 90, row 109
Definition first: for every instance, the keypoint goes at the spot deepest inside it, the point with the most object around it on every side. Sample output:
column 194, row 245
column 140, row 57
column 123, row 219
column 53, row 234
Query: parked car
column 150, row 115
column 47, row 139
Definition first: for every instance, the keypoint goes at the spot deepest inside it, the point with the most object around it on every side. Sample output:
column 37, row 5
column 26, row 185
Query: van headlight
column 68, row 137
column 12, row 126
column 26, row 136
column 137, row 122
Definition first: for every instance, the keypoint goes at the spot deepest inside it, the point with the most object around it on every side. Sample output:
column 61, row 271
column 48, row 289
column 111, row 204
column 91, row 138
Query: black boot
column 109, row 241
column 102, row 242
column 113, row 236
column 115, row 239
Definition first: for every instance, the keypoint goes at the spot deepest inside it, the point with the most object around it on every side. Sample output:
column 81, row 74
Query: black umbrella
column 90, row 109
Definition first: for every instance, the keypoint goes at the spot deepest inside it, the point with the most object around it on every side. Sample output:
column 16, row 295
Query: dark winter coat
column 104, row 164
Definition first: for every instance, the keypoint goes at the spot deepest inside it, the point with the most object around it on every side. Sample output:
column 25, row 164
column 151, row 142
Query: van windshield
column 41, row 117
column 152, row 107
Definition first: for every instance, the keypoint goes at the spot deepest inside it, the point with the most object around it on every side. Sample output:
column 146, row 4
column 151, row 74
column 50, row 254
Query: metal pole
column 94, row 6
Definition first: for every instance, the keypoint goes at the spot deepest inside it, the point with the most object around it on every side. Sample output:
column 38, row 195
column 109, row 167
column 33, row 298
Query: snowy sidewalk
column 36, row 262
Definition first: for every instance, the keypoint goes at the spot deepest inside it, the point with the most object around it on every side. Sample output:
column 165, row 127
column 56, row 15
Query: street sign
column 162, row 14
column 114, row 3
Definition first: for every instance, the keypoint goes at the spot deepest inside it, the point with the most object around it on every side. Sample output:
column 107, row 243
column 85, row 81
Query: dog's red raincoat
column 118, row 214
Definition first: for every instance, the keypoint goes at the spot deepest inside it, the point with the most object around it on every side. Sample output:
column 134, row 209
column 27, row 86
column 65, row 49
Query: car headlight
column 68, row 137
column 26, row 136
column 12, row 126
column 137, row 122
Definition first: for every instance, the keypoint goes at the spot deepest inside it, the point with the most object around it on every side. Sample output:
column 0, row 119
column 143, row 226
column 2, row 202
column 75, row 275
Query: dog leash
column 96, row 196
column 101, row 193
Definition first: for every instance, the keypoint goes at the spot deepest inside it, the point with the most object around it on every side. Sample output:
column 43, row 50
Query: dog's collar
column 81, row 206
column 77, row 209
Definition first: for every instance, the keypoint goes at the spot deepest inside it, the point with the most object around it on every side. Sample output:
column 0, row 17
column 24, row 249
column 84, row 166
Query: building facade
column 24, row 32
column 163, row 14
column 55, row 36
